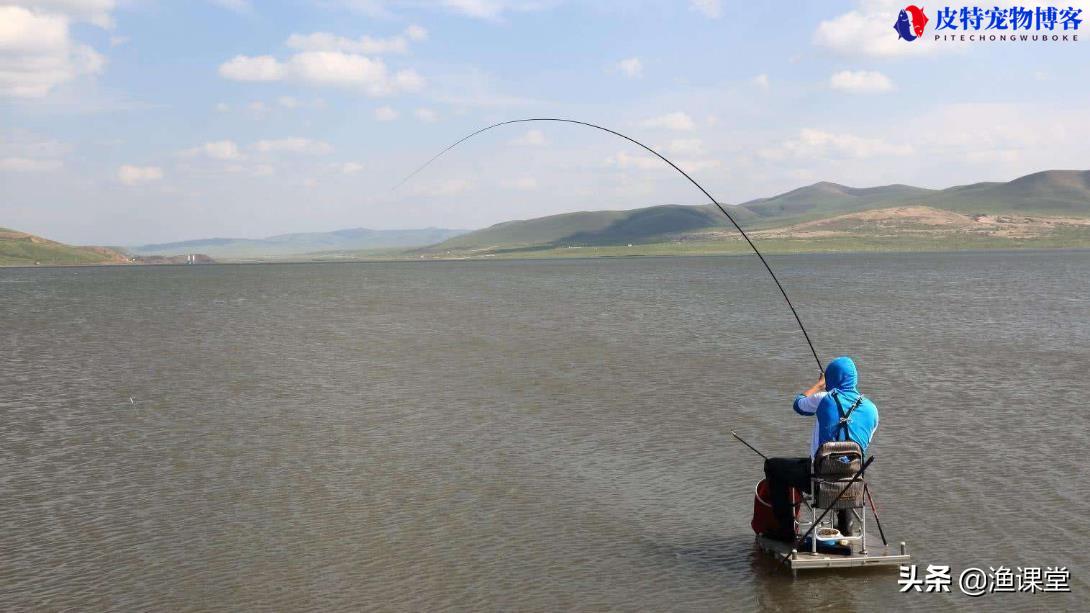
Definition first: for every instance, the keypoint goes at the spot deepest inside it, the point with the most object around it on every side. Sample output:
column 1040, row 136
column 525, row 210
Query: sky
column 125, row 122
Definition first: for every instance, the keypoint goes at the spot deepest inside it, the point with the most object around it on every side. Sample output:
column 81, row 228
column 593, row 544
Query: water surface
column 533, row 435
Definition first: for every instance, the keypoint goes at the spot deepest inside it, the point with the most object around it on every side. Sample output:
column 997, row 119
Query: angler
column 830, row 479
column 842, row 414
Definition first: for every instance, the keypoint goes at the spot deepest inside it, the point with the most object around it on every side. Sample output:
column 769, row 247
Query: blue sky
column 127, row 122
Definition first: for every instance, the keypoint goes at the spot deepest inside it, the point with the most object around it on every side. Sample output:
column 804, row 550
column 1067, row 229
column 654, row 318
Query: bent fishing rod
column 741, row 440
column 779, row 285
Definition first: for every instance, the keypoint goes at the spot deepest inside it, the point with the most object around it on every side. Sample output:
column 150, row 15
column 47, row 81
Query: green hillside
column 824, row 199
column 597, row 227
column 1053, row 192
column 1056, row 192
column 20, row 248
column 537, row 231
column 1045, row 209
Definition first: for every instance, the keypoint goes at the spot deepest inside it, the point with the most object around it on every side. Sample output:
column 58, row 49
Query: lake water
column 525, row 435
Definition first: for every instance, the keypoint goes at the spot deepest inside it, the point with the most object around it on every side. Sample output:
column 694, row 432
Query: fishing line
column 672, row 165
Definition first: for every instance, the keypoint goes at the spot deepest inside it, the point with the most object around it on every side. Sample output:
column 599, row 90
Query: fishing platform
column 837, row 490
column 808, row 560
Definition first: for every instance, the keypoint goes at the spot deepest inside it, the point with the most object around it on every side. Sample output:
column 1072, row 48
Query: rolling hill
column 1053, row 192
column 593, row 227
column 822, row 199
column 1044, row 209
column 286, row 245
column 1049, row 193
column 22, row 249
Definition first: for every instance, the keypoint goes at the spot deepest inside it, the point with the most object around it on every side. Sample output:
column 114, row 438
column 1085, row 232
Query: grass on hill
column 21, row 249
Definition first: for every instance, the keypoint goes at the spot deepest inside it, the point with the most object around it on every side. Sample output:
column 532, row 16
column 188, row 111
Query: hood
column 841, row 375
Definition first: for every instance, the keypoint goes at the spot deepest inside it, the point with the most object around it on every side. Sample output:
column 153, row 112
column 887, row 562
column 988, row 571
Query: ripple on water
column 521, row 435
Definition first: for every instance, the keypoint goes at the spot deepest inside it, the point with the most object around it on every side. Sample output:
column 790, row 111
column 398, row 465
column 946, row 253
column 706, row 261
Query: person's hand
column 817, row 387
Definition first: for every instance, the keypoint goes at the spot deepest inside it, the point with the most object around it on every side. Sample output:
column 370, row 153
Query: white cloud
column 293, row 145
column 238, row 6
column 324, row 41
column 812, row 143
column 385, row 113
column 426, row 115
column 136, row 175
column 489, row 10
column 670, row 121
column 631, row 67
column 861, row 82
column 407, row 81
column 96, row 12
column 222, row 107
column 325, row 68
column 252, row 170
column 531, row 138
column 868, row 31
column 486, row 9
column 350, row 168
column 761, row 81
column 216, row 150
column 37, row 52
column 710, row 8
column 252, row 68
column 25, row 164
column 865, row 32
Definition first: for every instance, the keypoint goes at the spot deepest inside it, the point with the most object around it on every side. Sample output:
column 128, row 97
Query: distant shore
column 773, row 248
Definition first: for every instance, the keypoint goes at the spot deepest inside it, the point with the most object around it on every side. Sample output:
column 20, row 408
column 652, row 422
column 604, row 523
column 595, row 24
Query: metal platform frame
column 812, row 559
column 807, row 560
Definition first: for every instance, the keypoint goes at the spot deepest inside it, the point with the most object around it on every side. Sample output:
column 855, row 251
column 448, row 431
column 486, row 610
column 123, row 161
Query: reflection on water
column 523, row 435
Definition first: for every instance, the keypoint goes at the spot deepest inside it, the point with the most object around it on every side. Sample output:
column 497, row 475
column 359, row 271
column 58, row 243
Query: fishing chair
column 835, row 463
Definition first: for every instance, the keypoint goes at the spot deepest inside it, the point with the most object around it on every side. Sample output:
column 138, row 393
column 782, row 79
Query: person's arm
column 817, row 387
column 806, row 403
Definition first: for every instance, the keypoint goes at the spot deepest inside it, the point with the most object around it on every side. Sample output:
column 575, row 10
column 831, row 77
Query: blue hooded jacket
column 841, row 379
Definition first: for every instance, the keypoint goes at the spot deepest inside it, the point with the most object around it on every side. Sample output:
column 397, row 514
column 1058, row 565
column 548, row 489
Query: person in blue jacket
column 834, row 396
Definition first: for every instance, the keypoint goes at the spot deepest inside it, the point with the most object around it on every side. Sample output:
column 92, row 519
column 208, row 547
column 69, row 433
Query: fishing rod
column 866, row 491
column 874, row 511
column 735, row 435
column 672, row 165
